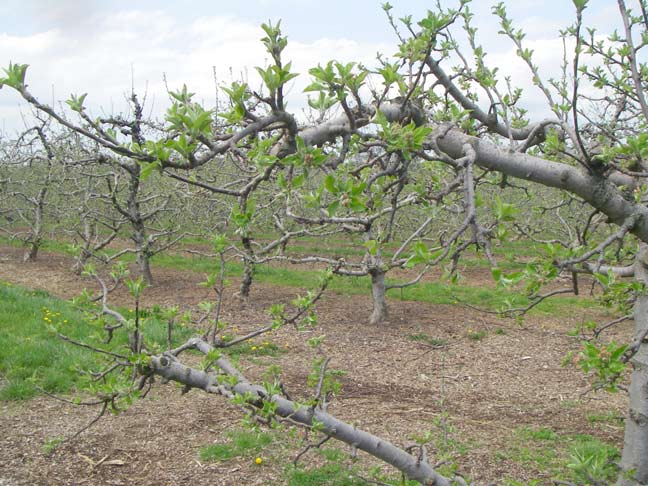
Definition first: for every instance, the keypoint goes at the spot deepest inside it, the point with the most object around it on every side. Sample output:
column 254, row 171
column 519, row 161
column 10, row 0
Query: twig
column 309, row 447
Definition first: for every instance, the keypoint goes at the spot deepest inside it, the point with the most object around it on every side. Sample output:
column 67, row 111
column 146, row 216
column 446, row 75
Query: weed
column 332, row 454
column 447, row 448
column 33, row 356
column 422, row 337
column 609, row 417
column 241, row 443
column 593, row 459
column 563, row 457
column 50, row 445
column 332, row 474
column 541, row 434
column 476, row 335
column 568, row 404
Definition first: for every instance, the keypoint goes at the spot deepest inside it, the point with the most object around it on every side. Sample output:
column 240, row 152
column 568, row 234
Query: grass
column 332, row 474
column 33, row 357
column 439, row 292
column 31, row 354
column 253, row 352
column 241, row 443
column 476, row 335
column 609, row 417
column 424, row 338
column 562, row 457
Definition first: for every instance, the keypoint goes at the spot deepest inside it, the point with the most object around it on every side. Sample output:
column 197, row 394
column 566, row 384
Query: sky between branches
column 105, row 47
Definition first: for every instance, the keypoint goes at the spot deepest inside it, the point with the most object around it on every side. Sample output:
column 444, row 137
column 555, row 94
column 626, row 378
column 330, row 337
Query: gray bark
column 634, row 460
column 84, row 255
column 596, row 190
column 248, row 270
column 32, row 252
column 36, row 238
column 139, row 229
column 380, row 312
column 413, row 467
column 144, row 265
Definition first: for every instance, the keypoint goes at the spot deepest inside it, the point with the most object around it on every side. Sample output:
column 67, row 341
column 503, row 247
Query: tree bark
column 143, row 264
column 599, row 191
column 32, row 252
column 380, row 312
column 84, row 254
column 36, row 237
column 634, row 460
column 248, row 270
column 134, row 215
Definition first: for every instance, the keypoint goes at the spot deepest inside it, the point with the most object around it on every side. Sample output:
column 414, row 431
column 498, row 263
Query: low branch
column 170, row 368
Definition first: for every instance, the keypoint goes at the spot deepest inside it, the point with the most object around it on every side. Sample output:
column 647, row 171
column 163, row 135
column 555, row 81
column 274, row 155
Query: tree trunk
column 84, row 254
column 143, row 262
column 32, row 253
column 80, row 261
column 634, row 460
column 37, row 230
column 248, row 271
column 142, row 254
column 379, row 313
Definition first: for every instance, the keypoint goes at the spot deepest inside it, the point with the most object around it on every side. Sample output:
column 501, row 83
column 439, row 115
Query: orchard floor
column 395, row 387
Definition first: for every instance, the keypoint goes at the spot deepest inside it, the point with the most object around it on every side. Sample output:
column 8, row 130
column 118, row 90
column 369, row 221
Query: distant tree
column 33, row 169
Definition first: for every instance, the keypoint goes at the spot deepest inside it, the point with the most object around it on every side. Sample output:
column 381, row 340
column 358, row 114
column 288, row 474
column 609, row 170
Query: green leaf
column 76, row 102
column 147, row 169
column 298, row 181
column 332, row 208
column 504, row 211
column 372, row 246
column 15, row 76
column 329, row 184
column 580, row 5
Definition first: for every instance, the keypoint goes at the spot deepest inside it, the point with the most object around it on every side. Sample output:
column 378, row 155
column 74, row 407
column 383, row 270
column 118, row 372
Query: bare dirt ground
column 394, row 387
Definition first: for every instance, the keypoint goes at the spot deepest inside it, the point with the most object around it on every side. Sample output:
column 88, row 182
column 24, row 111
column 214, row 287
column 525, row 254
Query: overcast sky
column 101, row 47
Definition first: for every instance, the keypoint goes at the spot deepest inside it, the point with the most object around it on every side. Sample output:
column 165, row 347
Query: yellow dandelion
column 258, row 461
column 254, row 348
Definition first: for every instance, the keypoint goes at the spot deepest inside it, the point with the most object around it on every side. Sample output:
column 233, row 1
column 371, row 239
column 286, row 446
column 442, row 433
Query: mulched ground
column 394, row 387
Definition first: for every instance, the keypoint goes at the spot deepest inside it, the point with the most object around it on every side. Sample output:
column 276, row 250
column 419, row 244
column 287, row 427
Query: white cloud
column 98, row 54
column 150, row 45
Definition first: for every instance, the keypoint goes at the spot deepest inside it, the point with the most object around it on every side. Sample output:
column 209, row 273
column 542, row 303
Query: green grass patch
column 331, row 474
column 240, row 443
column 32, row 356
column 609, row 417
column 476, row 335
column 424, row 338
column 571, row 458
column 440, row 292
column 253, row 350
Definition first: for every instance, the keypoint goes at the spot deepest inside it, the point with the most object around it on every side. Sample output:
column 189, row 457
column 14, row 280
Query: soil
column 394, row 387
